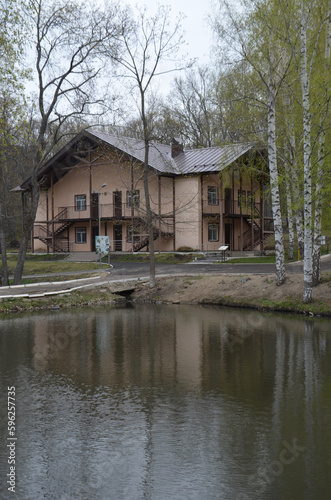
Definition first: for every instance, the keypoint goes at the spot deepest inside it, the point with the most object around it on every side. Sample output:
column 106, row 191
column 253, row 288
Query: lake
column 164, row 403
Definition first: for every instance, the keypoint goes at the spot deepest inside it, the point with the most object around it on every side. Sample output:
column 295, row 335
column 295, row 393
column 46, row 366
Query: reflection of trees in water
column 236, row 383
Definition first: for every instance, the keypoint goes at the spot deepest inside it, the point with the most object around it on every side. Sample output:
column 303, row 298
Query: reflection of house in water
column 201, row 347
column 197, row 385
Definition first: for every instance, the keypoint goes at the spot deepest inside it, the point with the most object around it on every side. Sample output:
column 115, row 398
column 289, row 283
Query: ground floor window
column 80, row 234
column 135, row 232
column 212, row 232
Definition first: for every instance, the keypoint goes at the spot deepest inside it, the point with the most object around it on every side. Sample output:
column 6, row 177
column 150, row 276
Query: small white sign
column 102, row 244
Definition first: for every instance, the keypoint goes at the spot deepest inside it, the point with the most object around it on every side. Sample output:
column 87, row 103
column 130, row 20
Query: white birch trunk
column 289, row 212
column 297, row 199
column 319, row 175
column 318, row 213
column 275, row 199
column 308, row 258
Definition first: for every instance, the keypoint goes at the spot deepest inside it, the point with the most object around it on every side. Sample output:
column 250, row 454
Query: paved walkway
column 128, row 272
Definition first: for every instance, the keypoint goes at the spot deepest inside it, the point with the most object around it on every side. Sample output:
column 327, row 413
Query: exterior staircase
column 256, row 234
column 46, row 236
column 145, row 241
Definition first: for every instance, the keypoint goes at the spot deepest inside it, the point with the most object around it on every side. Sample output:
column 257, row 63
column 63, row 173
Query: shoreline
column 251, row 291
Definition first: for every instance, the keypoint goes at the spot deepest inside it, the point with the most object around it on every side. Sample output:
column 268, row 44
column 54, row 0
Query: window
column 241, row 198
column 212, row 195
column 133, row 197
column 250, row 199
column 136, row 237
column 80, row 234
column 212, row 232
column 80, row 202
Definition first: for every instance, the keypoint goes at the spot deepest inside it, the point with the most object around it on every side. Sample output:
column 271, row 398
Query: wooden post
column 47, row 218
column 90, row 214
column 159, row 194
column 221, row 213
column 262, row 217
column 241, row 233
column 52, row 210
column 201, row 210
column 174, row 211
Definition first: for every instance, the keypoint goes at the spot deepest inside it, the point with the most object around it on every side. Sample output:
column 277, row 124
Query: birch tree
column 305, row 73
column 271, row 62
column 313, row 19
column 316, row 278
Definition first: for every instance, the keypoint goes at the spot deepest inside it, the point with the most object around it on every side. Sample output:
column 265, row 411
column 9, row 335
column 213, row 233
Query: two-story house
column 200, row 198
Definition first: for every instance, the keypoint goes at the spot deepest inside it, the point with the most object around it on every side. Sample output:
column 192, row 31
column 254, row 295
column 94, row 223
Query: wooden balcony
column 107, row 211
column 231, row 208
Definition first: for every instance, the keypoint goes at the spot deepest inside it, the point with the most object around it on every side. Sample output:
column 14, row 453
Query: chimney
column 176, row 148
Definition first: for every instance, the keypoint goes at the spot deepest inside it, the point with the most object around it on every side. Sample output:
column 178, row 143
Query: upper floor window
column 80, row 202
column 133, row 198
column 241, row 198
column 212, row 195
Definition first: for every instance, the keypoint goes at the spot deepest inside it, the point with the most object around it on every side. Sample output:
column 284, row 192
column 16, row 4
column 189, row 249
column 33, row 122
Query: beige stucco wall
column 190, row 201
column 42, row 207
column 188, row 213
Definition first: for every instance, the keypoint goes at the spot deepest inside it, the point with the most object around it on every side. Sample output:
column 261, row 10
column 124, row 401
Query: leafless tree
column 66, row 37
column 148, row 49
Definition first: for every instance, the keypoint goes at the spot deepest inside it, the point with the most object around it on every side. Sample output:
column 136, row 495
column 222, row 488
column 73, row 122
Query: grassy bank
column 35, row 266
column 254, row 291
column 79, row 298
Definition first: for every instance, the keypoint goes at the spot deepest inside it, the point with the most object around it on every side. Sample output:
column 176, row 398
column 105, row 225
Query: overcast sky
column 195, row 25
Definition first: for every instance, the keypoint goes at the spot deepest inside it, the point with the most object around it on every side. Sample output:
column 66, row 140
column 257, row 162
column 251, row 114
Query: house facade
column 201, row 199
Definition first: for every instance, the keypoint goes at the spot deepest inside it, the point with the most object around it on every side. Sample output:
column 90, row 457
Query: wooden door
column 228, row 234
column 94, row 205
column 117, row 197
column 95, row 232
column 118, row 238
column 228, row 200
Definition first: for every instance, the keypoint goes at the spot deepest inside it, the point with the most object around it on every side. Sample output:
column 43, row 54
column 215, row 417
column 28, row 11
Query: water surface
column 167, row 403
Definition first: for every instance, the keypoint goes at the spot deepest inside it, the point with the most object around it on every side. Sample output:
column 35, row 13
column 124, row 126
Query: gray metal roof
column 159, row 154
column 212, row 159
column 190, row 161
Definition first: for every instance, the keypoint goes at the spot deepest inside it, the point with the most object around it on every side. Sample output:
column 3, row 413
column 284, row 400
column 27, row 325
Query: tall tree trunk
column 289, row 214
column 307, row 190
column 29, row 215
column 149, row 220
column 275, row 199
column 318, row 213
column 3, row 246
column 320, row 172
column 149, row 213
column 296, row 198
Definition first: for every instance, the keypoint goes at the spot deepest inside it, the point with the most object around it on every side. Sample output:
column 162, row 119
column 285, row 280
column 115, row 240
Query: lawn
column 34, row 266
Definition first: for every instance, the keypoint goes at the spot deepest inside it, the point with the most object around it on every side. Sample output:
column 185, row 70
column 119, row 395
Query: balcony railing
column 112, row 210
column 232, row 207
